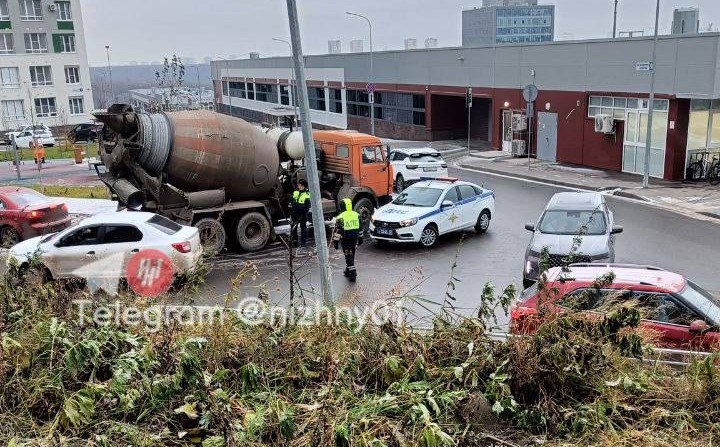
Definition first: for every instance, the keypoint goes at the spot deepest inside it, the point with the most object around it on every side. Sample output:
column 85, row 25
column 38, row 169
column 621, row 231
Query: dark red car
column 25, row 213
column 684, row 315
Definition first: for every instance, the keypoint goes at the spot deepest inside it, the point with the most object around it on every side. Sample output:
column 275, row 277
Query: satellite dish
column 530, row 93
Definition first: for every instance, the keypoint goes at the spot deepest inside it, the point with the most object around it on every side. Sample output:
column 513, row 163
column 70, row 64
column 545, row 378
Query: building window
column 6, row 44
column 358, row 103
column 77, row 106
column 285, row 95
column 403, row 108
column 225, row 88
column 9, row 77
column 31, row 10
column 45, row 107
column 618, row 106
column 250, row 87
column 64, row 43
column 13, row 110
column 41, row 76
column 336, row 104
column 316, row 96
column 4, row 11
column 36, row 43
column 63, row 11
column 72, row 75
column 266, row 93
column 237, row 90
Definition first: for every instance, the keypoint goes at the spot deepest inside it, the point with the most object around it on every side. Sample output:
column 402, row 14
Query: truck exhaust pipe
column 128, row 194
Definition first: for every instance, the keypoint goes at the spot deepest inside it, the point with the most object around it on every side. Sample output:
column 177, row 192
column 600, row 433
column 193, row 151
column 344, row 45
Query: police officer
column 349, row 236
column 300, row 207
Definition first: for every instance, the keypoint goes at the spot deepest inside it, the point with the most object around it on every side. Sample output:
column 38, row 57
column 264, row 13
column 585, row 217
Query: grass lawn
column 77, row 192
column 53, row 153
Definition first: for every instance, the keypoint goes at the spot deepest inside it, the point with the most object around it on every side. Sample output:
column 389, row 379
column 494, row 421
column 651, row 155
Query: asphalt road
column 652, row 236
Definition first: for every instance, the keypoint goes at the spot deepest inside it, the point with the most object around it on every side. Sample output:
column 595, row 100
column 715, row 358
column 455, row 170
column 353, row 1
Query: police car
column 433, row 207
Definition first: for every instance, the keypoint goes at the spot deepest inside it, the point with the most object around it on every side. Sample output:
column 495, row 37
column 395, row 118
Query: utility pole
column 112, row 89
column 310, row 157
column 469, row 104
column 372, row 75
column 293, row 94
column 648, row 138
column 615, row 20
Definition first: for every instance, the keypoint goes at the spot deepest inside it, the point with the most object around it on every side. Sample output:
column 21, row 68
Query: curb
column 710, row 214
column 530, row 177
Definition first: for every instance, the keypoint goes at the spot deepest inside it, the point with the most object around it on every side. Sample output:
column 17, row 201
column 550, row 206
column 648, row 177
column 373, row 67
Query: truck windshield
column 591, row 223
column 418, row 196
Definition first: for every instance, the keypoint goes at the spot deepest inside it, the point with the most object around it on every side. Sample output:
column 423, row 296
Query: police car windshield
column 418, row 196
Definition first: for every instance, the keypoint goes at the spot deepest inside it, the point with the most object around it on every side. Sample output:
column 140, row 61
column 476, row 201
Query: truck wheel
column 212, row 235
column 399, row 184
column 253, row 231
column 365, row 208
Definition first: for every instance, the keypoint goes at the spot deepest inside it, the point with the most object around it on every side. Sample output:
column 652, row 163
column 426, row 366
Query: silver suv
column 575, row 227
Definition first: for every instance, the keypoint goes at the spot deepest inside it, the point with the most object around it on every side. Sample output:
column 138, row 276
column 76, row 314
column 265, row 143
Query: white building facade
column 44, row 74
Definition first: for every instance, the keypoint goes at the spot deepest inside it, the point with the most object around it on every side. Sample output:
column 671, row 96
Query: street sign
column 644, row 66
column 370, row 87
column 468, row 98
column 371, row 98
column 530, row 93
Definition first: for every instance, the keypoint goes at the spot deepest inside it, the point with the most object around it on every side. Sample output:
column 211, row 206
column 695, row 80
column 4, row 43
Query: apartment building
column 44, row 74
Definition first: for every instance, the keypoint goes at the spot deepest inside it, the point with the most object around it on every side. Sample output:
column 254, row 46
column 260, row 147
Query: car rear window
column 701, row 300
column 27, row 198
column 426, row 156
column 164, row 224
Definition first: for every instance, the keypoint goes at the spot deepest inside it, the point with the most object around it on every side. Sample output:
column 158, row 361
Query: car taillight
column 412, row 166
column 64, row 208
column 36, row 214
column 517, row 312
column 183, row 247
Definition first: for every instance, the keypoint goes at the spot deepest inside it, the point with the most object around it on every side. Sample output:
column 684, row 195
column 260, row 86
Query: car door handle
column 90, row 253
column 135, row 250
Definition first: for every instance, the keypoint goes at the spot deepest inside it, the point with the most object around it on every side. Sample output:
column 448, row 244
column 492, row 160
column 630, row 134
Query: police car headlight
column 408, row 222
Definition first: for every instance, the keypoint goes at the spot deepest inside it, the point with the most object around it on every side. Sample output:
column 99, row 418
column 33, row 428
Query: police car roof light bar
column 440, row 179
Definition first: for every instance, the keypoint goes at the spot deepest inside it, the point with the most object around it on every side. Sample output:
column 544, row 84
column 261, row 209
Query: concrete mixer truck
column 229, row 178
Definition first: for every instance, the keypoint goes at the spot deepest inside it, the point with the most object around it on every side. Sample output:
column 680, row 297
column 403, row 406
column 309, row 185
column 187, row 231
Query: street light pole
column 651, row 101
column 372, row 77
column 292, row 80
column 310, row 157
column 112, row 89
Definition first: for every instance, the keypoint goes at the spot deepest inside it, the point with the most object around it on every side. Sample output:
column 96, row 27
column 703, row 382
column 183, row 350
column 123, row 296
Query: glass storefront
column 703, row 129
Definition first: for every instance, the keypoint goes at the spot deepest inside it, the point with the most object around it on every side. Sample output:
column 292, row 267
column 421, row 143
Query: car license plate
column 430, row 169
column 384, row 232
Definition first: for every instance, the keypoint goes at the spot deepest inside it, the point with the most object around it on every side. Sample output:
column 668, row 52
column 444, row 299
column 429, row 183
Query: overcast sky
column 147, row 30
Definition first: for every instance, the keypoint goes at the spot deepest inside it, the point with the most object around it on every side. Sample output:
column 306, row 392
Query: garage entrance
column 449, row 118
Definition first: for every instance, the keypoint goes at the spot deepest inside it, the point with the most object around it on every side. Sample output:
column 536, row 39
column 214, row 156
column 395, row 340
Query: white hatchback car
column 410, row 165
column 24, row 136
column 105, row 242
column 433, row 207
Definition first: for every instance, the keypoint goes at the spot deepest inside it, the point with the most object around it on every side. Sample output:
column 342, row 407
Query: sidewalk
column 686, row 198
column 53, row 172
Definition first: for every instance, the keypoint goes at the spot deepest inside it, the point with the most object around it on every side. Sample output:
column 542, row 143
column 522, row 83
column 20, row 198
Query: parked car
column 684, row 315
column 410, row 165
column 84, row 132
column 433, row 207
column 43, row 134
column 107, row 236
column 567, row 216
column 25, row 214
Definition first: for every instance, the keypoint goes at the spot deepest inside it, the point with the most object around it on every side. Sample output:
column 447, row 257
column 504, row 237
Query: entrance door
column 547, row 136
column 507, row 133
column 636, row 122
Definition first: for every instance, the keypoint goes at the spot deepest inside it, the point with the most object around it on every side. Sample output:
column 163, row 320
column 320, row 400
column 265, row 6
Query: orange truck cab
column 354, row 166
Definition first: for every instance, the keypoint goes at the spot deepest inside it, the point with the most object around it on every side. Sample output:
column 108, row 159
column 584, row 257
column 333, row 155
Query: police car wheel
column 429, row 236
column 483, row 222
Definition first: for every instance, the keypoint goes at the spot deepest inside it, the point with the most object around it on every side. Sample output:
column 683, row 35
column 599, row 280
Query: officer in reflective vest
column 300, row 207
column 349, row 235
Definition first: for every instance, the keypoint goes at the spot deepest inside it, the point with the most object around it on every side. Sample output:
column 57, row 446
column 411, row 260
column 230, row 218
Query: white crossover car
column 410, row 165
column 100, row 246
column 24, row 136
column 433, row 207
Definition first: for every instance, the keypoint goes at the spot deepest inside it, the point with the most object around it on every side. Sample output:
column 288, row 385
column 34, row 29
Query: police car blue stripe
column 462, row 202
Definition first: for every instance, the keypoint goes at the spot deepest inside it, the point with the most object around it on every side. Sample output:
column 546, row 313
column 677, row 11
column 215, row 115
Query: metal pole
column 648, row 138
column 615, row 20
column 468, row 104
column 310, row 157
column 16, row 156
column 112, row 88
column 292, row 81
column 372, row 74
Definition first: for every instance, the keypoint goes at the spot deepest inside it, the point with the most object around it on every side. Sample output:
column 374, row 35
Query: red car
column 684, row 315
column 25, row 213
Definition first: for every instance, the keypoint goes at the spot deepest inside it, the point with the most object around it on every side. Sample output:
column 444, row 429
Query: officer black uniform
column 300, row 207
column 350, row 236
